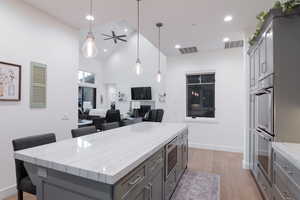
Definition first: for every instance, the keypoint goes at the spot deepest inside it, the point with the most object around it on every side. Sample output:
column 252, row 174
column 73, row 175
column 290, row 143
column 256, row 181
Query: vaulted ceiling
column 186, row 22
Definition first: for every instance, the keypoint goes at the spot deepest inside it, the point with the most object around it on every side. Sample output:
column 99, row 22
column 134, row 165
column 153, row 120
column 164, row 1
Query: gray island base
column 137, row 167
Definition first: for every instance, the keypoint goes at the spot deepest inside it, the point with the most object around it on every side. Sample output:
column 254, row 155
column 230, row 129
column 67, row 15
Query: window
column 86, row 98
column 200, row 95
column 86, row 77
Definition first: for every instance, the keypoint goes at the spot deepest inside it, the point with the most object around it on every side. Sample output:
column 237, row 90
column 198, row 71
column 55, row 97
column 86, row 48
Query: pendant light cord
column 159, row 49
column 91, row 13
column 138, row 36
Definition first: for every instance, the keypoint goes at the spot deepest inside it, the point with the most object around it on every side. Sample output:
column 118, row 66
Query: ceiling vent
column 234, row 44
column 188, row 50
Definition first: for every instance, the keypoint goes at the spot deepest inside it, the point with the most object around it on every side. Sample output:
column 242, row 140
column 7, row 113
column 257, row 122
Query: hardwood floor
column 236, row 183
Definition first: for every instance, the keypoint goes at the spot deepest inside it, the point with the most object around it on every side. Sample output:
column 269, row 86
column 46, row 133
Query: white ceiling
column 186, row 22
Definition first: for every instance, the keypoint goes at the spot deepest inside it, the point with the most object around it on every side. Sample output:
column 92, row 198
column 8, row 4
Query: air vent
column 188, row 50
column 234, row 44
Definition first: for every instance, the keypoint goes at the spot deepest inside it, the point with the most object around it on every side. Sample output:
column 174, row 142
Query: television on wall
column 141, row 93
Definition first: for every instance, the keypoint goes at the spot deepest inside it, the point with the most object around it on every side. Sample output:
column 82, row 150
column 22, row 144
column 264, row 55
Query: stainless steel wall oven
column 265, row 106
column 171, row 156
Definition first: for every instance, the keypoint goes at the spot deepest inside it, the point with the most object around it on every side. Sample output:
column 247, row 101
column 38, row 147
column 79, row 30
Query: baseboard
column 215, row 147
column 246, row 165
column 7, row 192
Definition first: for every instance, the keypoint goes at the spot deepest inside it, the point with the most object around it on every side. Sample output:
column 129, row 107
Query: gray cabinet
column 132, row 185
column 274, row 56
column 269, row 66
column 286, row 182
column 147, row 182
column 155, row 180
column 155, row 186
column 139, row 193
column 262, row 57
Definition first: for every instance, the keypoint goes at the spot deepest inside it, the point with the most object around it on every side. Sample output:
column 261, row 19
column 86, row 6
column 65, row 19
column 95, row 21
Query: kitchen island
column 133, row 162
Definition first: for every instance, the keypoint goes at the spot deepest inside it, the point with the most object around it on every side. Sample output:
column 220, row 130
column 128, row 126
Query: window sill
column 202, row 120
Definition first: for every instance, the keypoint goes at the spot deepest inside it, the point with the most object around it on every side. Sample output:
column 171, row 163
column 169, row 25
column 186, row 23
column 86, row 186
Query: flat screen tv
column 141, row 93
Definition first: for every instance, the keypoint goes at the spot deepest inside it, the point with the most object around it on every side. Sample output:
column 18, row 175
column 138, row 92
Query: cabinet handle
column 286, row 168
column 149, row 188
column 135, row 181
column 290, row 173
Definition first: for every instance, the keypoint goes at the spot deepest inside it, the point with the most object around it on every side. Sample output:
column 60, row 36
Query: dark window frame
column 80, row 98
column 204, row 78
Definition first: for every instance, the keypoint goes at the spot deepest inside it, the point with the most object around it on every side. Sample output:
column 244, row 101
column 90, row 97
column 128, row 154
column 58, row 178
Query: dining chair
column 83, row 131
column 24, row 183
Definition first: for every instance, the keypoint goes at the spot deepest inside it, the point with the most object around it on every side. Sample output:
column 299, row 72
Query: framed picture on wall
column 10, row 82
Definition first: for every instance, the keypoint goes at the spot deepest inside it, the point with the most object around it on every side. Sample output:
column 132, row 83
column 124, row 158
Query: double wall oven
column 265, row 127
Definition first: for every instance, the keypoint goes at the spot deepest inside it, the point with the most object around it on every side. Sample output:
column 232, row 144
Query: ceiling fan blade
column 123, row 40
column 115, row 40
column 106, row 35
column 122, row 35
column 108, row 38
column 113, row 33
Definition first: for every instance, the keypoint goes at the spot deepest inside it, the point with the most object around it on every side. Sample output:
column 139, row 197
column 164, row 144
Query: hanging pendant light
column 89, row 48
column 159, row 76
column 138, row 64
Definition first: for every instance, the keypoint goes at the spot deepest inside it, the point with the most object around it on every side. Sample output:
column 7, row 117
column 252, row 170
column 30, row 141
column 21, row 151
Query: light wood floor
column 236, row 183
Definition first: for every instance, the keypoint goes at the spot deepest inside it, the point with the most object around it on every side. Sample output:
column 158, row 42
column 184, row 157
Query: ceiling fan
column 115, row 37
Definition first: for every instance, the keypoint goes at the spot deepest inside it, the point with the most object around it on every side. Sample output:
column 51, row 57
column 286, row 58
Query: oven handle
column 172, row 145
column 262, row 135
column 262, row 92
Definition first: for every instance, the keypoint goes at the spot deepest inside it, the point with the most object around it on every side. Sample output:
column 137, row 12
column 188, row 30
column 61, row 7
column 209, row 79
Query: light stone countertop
column 291, row 151
column 104, row 157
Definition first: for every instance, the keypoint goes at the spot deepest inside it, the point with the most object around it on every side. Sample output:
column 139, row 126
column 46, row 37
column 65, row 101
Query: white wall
column 119, row 70
column 227, row 131
column 30, row 35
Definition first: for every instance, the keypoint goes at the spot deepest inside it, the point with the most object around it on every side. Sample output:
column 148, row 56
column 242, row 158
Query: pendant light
column 89, row 48
column 159, row 76
column 138, row 64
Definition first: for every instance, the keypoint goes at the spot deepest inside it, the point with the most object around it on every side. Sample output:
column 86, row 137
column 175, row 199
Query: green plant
column 286, row 8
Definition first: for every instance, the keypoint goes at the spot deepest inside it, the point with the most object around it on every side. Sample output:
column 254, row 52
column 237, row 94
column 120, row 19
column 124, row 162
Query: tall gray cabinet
column 274, row 61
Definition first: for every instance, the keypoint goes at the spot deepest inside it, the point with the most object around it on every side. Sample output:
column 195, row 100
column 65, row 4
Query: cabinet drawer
column 264, row 185
column 131, row 181
column 292, row 172
column 286, row 187
column 155, row 162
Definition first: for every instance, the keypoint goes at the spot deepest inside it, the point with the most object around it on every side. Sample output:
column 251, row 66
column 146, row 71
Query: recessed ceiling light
column 226, row 39
column 125, row 30
column 105, row 50
column 177, row 46
column 90, row 18
column 228, row 18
